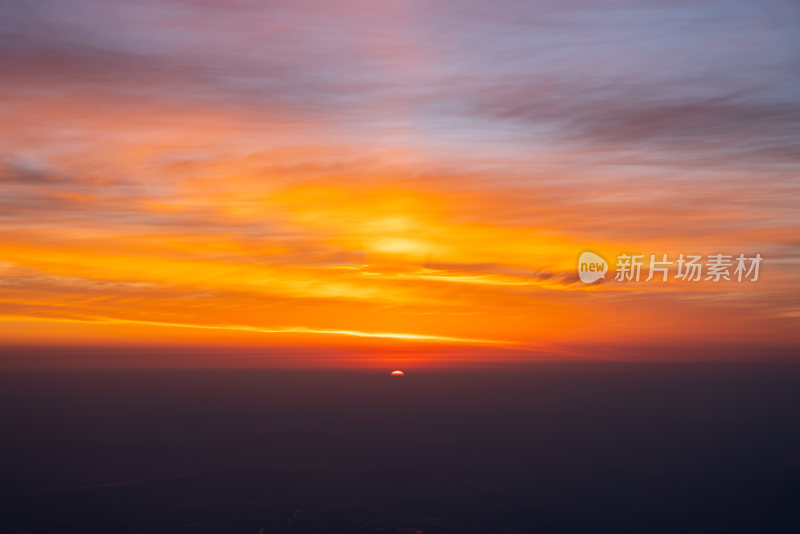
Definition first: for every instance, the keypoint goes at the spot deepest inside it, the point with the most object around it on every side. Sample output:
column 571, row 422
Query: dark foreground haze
column 618, row 448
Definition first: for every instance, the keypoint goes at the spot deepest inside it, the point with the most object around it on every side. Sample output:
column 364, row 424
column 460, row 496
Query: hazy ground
column 551, row 448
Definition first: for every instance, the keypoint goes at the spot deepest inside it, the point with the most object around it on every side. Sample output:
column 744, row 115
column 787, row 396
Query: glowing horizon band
column 288, row 330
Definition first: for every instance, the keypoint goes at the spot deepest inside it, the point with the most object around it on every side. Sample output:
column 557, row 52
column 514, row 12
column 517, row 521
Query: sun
column 398, row 373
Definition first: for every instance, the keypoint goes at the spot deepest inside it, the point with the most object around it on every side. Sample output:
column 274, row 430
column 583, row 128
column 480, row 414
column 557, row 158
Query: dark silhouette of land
column 622, row 448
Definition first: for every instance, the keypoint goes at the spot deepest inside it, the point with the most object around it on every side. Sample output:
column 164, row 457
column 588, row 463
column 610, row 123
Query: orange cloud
column 371, row 188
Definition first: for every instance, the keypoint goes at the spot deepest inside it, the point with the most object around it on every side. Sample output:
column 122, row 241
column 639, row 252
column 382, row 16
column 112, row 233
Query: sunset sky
column 412, row 179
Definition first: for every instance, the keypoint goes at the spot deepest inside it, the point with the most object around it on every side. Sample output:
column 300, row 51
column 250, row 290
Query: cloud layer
column 431, row 170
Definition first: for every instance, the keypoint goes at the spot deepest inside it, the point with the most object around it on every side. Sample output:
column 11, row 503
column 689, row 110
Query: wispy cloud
column 430, row 170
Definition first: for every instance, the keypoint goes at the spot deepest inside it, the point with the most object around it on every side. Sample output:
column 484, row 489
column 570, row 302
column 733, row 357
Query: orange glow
column 201, row 210
column 395, row 262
